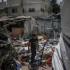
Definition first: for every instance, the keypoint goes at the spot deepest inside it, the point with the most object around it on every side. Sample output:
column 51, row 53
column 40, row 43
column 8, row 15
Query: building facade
column 2, row 8
column 26, row 7
column 34, row 8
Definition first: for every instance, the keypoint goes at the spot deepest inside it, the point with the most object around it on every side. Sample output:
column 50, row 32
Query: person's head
column 34, row 36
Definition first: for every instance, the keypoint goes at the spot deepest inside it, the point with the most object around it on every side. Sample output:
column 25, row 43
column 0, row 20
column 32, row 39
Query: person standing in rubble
column 34, row 44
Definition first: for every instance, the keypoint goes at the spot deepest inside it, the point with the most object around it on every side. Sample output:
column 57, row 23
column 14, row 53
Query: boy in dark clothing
column 34, row 45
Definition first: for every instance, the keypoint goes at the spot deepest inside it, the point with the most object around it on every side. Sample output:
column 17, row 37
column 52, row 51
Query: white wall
column 32, row 4
column 13, row 2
